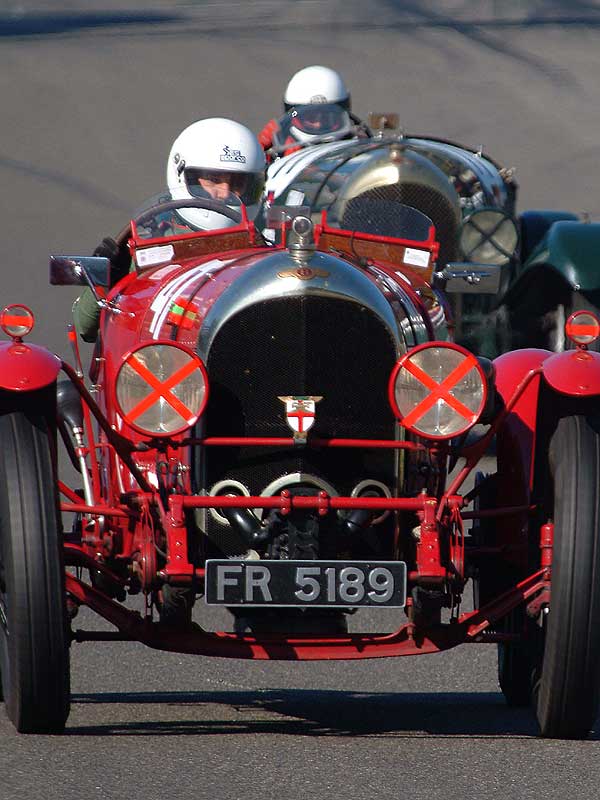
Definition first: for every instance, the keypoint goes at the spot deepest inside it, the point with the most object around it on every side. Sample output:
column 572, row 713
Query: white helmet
column 316, row 85
column 217, row 159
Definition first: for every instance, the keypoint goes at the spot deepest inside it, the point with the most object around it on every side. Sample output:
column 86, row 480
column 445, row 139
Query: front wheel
column 34, row 645
column 569, row 683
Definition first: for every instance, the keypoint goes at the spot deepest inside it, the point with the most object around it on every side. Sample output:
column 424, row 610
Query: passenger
column 215, row 158
column 321, row 87
column 316, row 123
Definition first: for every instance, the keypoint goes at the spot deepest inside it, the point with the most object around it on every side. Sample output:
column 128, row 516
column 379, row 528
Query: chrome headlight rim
column 194, row 363
column 469, row 360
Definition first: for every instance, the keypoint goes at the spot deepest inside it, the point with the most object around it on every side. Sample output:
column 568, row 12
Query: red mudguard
column 574, row 373
column 27, row 367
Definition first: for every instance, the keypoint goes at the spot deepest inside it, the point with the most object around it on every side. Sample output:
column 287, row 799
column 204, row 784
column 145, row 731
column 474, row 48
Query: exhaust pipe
column 241, row 528
column 360, row 518
column 246, row 524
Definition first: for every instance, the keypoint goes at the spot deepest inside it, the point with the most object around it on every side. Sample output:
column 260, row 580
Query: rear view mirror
column 89, row 271
column 467, row 278
column 380, row 122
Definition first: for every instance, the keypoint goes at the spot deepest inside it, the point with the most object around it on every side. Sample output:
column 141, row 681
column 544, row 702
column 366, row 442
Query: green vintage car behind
column 550, row 260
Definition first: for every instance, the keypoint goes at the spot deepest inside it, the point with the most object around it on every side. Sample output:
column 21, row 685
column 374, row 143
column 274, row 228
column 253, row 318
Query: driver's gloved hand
column 108, row 248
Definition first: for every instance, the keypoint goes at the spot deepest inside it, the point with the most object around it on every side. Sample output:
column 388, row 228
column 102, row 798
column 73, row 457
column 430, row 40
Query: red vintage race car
column 271, row 429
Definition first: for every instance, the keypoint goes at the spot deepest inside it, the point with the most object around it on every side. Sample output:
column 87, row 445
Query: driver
column 215, row 158
column 312, row 86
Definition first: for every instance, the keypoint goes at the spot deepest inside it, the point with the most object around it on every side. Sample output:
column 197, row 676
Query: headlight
column 438, row 390
column 161, row 389
column 489, row 236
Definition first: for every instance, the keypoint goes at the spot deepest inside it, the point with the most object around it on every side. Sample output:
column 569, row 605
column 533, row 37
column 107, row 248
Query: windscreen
column 384, row 218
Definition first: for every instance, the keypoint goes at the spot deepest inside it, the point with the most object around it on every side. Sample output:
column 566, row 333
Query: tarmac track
column 91, row 97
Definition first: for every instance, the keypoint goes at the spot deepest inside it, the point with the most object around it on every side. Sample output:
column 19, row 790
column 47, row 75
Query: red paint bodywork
column 574, row 373
column 27, row 367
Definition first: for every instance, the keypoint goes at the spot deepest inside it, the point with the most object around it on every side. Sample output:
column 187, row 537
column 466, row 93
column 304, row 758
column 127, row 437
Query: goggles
column 246, row 186
column 319, row 119
column 236, row 181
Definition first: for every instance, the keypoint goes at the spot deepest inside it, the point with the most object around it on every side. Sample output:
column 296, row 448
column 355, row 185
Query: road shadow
column 36, row 24
column 493, row 33
column 327, row 713
column 504, row 14
column 86, row 189
column 491, row 30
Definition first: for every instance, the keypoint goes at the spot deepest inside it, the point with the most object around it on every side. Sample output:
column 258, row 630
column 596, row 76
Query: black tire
column 517, row 661
column 568, row 688
column 34, row 643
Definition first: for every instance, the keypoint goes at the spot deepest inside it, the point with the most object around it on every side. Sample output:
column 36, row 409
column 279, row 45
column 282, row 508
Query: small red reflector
column 17, row 321
column 582, row 327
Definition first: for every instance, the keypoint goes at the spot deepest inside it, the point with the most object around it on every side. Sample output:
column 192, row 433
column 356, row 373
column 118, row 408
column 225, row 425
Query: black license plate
column 317, row 584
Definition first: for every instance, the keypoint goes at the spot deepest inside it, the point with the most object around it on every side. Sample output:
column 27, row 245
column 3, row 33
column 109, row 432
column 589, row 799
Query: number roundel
column 582, row 327
column 438, row 390
column 161, row 388
column 17, row 321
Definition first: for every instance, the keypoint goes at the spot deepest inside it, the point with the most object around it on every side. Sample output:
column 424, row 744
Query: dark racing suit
column 86, row 310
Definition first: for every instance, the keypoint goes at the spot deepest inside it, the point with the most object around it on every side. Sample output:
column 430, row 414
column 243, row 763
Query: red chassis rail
column 407, row 640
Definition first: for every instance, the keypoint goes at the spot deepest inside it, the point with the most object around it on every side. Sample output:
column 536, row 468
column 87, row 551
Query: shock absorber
column 70, row 416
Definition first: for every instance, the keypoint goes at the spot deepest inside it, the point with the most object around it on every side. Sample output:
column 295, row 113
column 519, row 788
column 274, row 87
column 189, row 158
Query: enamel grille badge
column 303, row 273
column 300, row 414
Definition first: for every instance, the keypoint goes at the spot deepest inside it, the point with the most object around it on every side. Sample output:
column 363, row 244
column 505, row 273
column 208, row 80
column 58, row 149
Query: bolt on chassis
column 271, row 429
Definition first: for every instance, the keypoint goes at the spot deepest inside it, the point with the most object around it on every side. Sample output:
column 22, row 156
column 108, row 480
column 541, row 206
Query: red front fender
column 575, row 373
column 27, row 367
column 516, row 437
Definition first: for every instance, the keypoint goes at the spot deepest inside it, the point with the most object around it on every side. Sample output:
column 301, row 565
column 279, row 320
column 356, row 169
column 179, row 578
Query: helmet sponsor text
column 232, row 155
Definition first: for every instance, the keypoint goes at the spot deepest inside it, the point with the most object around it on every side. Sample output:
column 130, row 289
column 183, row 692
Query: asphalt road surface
column 91, row 96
